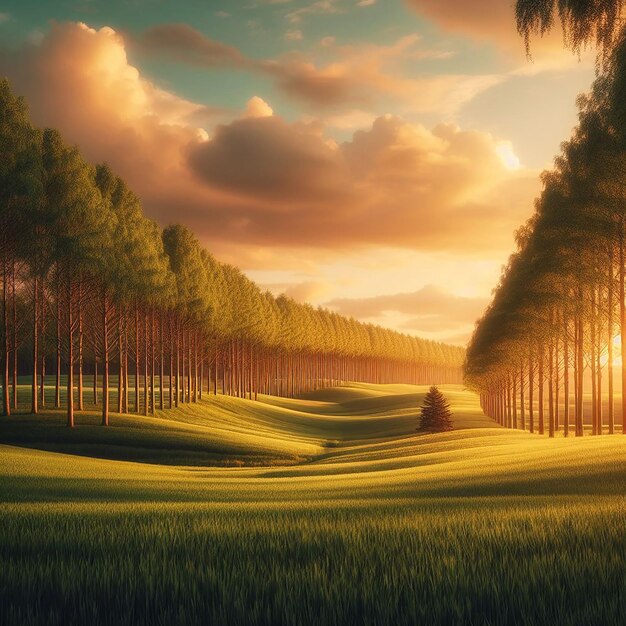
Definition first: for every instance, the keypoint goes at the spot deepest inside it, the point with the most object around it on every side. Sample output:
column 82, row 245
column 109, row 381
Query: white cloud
column 321, row 7
column 293, row 35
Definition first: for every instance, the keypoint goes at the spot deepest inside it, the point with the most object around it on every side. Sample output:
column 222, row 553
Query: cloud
column 257, row 107
column 321, row 7
column 308, row 291
column 428, row 311
column 321, row 87
column 269, row 159
column 351, row 120
column 372, row 75
column 293, row 35
column 457, row 339
column 482, row 20
column 183, row 43
column 394, row 184
column 359, row 75
column 431, row 307
column 261, row 181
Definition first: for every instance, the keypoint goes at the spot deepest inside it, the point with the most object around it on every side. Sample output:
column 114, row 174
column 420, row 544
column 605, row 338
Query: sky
column 371, row 156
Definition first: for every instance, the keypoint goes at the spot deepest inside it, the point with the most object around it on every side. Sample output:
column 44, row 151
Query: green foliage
column 186, row 262
column 435, row 414
column 82, row 224
column 20, row 162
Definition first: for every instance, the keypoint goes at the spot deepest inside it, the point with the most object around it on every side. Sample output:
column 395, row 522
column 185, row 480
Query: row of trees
column 547, row 354
column 91, row 286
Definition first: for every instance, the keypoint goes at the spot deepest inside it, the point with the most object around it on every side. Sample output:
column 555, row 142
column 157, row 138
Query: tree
column 82, row 223
column 583, row 21
column 19, row 189
column 435, row 414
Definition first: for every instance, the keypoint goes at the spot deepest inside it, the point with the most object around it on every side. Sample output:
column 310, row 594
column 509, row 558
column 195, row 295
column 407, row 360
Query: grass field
column 328, row 509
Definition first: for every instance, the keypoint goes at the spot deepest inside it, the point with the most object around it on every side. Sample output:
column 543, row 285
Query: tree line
column 547, row 353
column 94, row 289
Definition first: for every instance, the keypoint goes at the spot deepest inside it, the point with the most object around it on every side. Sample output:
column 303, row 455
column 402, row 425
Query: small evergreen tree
column 436, row 416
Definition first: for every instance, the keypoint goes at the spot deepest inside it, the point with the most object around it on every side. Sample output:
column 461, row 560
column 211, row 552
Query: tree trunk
column 146, row 395
column 522, row 407
column 95, row 381
column 514, row 400
column 215, row 374
column 579, row 376
column 594, row 403
column 610, row 345
column 177, row 394
column 622, row 319
column 557, row 380
column 70, row 357
column 136, row 358
column 171, row 370
column 120, row 369
column 105, row 359
column 152, row 368
column 551, row 389
column 161, row 359
column 125, row 323
column 57, row 383
column 598, row 348
column 42, row 397
column 34, row 406
column 189, row 367
column 80, row 344
column 540, row 384
column 182, row 365
column 566, row 379
column 6, row 404
column 14, row 329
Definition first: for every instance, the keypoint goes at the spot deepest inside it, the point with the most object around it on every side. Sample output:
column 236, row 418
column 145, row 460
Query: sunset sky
column 373, row 156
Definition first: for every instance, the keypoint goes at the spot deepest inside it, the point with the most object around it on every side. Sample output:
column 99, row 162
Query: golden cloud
column 261, row 181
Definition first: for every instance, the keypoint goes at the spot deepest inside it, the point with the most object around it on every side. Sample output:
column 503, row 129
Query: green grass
column 336, row 512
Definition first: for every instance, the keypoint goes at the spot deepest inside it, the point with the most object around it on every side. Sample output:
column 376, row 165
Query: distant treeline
column 88, row 279
column 552, row 334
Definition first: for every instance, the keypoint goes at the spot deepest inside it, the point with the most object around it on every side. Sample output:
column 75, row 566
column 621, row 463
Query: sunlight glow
column 617, row 358
column 507, row 155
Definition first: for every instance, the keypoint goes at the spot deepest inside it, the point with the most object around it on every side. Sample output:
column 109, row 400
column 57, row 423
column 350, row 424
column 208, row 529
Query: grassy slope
column 340, row 512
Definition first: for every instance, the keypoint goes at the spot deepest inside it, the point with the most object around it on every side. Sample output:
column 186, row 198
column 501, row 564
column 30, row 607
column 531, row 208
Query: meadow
column 326, row 509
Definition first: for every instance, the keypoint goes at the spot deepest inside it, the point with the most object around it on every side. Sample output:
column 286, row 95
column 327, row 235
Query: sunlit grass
column 339, row 513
